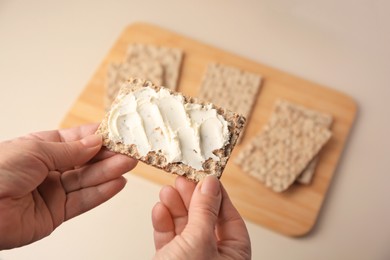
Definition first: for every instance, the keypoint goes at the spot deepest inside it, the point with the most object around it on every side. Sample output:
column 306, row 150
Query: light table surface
column 50, row 49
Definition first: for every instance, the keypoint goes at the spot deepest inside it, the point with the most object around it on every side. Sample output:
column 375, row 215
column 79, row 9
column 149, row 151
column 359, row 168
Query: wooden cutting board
column 293, row 212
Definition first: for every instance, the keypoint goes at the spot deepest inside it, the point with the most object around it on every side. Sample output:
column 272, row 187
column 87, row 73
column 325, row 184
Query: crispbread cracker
column 287, row 144
column 321, row 119
column 307, row 174
column 169, row 58
column 230, row 87
column 119, row 73
column 155, row 158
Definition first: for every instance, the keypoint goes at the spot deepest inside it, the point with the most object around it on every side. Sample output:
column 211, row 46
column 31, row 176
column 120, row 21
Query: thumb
column 61, row 155
column 204, row 208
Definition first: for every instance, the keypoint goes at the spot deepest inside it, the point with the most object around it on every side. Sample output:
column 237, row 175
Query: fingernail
column 92, row 140
column 210, row 186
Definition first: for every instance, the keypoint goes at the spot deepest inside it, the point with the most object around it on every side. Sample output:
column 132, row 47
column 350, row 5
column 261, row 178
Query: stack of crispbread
column 159, row 64
column 287, row 146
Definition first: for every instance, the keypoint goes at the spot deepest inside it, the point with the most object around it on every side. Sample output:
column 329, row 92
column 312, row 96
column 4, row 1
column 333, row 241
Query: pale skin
column 49, row 177
column 198, row 222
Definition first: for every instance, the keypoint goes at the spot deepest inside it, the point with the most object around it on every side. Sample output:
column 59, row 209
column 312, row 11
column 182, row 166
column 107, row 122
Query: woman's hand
column 49, row 177
column 198, row 222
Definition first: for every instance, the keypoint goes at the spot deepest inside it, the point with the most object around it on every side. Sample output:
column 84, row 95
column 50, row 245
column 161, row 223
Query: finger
column 64, row 135
column 83, row 200
column 34, row 159
column 69, row 154
column 54, row 196
column 97, row 173
column 204, row 209
column 164, row 228
column 231, row 226
column 185, row 189
column 172, row 200
column 77, row 133
column 102, row 155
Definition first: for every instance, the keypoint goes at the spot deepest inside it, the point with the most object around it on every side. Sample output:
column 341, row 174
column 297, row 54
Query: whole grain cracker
column 230, row 87
column 155, row 158
column 322, row 119
column 169, row 58
column 119, row 73
column 287, row 144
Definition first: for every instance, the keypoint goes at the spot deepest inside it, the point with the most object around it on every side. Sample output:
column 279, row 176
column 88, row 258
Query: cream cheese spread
column 162, row 122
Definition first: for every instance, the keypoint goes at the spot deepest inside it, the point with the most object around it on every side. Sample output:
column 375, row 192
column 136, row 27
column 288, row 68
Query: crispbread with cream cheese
column 170, row 131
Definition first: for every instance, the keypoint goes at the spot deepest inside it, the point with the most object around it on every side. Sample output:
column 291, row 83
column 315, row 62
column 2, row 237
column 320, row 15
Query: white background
column 50, row 49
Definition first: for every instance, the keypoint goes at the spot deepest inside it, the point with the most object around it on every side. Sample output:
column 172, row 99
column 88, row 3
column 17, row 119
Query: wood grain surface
column 291, row 213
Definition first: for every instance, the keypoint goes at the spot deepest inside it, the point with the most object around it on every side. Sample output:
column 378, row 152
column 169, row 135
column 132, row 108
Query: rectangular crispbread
column 231, row 88
column 169, row 58
column 288, row 143
column 156, row 158
column 118, row 73
column 321, row 119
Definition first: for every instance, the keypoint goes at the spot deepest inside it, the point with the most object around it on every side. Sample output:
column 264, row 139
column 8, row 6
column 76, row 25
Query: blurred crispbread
column 230, row 87
column 288, row 143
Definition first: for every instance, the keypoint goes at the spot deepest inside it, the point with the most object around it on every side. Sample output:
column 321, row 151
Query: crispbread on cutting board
column 293, row 212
